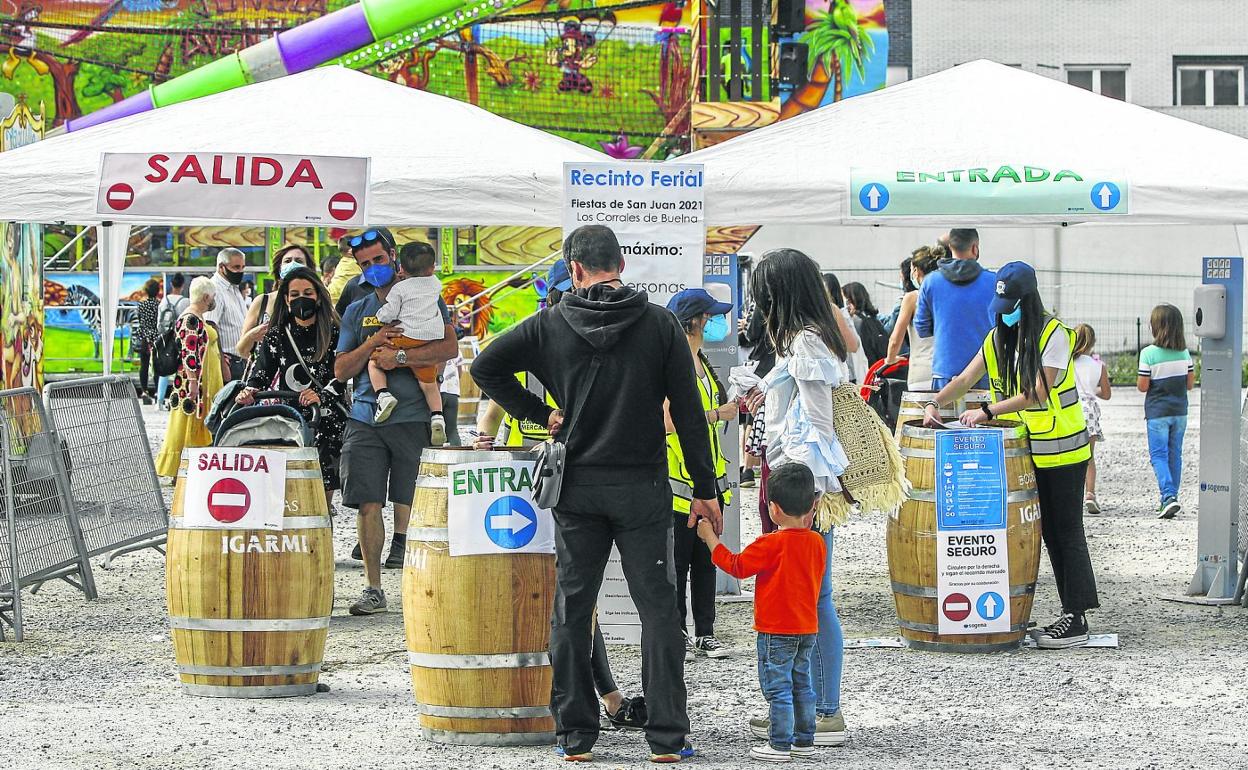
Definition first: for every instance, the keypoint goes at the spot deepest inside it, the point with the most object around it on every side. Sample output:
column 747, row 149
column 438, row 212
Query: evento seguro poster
column 657, row 212
column 972, row 551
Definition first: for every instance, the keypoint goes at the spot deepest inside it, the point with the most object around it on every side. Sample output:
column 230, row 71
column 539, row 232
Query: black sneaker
column 710, row 647
column 395, row 559
column 356, row 553
column 1169, row 509
column 1069, row 631
column 748, row 479
column 631, row 714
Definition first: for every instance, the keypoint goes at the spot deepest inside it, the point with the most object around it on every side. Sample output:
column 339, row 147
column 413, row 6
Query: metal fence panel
column 40, row 539
column 112, row 475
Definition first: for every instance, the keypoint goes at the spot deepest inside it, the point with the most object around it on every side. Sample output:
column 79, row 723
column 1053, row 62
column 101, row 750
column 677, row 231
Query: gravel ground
column 94, row 684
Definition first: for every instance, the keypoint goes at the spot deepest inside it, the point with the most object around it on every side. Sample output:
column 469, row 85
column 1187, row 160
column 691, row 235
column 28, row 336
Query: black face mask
column 303, row 308
column 233, row 277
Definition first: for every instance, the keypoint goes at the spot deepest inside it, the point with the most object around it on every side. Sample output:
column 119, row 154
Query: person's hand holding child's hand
column 706, row 531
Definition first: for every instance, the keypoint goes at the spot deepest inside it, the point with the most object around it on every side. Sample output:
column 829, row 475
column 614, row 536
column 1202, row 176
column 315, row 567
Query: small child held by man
column 789, row 564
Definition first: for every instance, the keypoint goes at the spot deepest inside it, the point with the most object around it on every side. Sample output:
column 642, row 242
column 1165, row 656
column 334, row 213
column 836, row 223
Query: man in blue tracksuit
column 953, row 308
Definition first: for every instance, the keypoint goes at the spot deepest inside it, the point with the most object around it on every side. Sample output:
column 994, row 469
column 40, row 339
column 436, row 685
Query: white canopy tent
column 798, row 172
column 435, row 161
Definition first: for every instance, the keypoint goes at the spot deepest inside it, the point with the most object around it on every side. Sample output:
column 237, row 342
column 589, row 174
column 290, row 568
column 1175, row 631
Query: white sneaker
column 766, row 753
column 802, row 752
column 385, row 407
column 437, row 430
column 1091, row 506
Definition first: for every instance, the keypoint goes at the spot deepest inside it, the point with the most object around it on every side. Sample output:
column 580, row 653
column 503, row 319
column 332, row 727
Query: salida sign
column 234, row 489
column 289, row 189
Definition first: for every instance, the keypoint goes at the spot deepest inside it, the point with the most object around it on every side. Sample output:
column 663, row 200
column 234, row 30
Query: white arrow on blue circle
column 514, row 522
column 1105, row 195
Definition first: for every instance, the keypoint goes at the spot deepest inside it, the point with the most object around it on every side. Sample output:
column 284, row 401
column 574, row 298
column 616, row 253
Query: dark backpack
column 167, row 348
column 874, row 338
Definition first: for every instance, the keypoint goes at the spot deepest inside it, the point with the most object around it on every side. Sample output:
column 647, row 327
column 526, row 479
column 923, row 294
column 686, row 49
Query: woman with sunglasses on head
column 256, row 324
column 1029, row 363
column 297, row 354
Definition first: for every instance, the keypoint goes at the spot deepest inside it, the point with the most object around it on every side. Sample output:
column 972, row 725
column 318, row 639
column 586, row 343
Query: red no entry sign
column 228, row 500
column 956, row 606
column 342, row 206
column 120, row 196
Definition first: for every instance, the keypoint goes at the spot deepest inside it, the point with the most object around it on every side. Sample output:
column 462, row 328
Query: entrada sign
column 193, row 186
column 1001, row 189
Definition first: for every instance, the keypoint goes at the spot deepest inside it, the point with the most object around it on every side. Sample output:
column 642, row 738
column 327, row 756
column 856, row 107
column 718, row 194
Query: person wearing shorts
column 380, row 462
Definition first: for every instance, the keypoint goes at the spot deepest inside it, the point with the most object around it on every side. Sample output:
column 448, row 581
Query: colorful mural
column 501, row 310
column 21, row 307
column 580, row 69
column 848, row 42
column 72, row 319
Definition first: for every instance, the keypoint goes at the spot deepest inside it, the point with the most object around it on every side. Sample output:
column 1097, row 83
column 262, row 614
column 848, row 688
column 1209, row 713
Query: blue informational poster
column 970, row 479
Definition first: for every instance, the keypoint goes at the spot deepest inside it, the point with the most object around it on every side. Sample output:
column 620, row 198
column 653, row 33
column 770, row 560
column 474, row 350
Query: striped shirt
column 1167, row 371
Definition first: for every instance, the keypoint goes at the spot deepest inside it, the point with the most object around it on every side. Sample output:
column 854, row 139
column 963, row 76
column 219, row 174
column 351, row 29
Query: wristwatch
column 984, row 406
column 400, row 358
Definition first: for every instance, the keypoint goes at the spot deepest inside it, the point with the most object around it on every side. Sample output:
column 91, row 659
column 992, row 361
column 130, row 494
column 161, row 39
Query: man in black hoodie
column 615, row 486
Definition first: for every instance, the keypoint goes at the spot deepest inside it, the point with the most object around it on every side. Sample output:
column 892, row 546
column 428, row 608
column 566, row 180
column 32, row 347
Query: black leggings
column 145, row 362
column 696, row 573
column 1061, row 523
column 604, row 682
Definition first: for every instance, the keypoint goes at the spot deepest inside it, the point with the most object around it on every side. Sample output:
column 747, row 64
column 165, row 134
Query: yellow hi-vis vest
column 1057, row 430
column 678, row 476
column 522, row 432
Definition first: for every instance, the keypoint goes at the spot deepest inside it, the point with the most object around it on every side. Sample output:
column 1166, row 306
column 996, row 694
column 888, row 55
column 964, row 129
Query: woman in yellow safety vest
column 622, row 711
column 1027, row 357
column 704, row 319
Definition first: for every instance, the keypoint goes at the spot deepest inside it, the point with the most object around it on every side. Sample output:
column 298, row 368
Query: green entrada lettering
column 491, row 480
column 1030, row 174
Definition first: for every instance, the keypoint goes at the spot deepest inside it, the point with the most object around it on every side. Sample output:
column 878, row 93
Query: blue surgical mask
column 287, row 267
column 716, row 329
column 379, row 276
column 1013, row 317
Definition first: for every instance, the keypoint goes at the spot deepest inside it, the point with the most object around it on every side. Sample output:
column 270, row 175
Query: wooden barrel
column 478, row 627
column 249, row 609
column 912, row 402
column 912, row 544
column 469, row 391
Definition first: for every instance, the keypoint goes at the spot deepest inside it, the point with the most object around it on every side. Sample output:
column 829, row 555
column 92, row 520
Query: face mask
column 233, row 277
column 303, row 308
column 379, row 276
column 1012, row 318
column 716, row 329
column 287, row 267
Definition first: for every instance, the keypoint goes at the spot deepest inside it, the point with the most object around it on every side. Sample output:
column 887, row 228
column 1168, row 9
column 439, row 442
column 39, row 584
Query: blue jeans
column 162, row 389
column 784, row 664
column 830, row 642
column 1165, row 449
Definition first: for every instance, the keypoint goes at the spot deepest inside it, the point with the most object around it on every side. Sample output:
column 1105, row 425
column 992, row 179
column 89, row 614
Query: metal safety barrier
column 112, row 480
column 40, row 539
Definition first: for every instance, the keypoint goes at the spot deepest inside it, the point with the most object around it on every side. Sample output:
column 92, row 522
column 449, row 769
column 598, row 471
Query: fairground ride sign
column 986, row 191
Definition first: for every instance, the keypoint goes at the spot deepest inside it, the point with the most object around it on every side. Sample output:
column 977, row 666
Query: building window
column 1103, row 80
column 1209, row 85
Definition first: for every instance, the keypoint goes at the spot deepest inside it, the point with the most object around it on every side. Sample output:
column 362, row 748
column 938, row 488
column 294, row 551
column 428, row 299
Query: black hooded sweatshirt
column 619, row 437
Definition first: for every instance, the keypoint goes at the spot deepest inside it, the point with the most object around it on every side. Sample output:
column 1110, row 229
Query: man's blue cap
column 691, row 303
column 1015, row 280
column 558, row 277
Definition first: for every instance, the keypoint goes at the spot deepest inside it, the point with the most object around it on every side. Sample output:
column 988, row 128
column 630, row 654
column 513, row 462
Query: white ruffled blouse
column 799, row 410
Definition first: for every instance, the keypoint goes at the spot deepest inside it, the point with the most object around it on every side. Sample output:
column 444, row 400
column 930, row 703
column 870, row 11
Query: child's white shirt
column 413, row 302
column 1088, row 375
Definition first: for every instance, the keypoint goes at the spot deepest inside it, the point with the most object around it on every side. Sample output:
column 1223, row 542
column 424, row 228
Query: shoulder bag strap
column 320, row 386
column 594, row 365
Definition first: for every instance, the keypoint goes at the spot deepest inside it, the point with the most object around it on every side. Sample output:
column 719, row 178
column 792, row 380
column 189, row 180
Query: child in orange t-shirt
column 789, row 563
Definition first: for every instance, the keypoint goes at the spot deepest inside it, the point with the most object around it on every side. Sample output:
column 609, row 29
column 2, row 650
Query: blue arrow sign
column 873, row 196
column 510, row 522
column 1106, row 196
column 990, row 605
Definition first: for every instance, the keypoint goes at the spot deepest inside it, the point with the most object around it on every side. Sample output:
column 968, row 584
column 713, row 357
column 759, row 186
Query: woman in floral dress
column 196, row 382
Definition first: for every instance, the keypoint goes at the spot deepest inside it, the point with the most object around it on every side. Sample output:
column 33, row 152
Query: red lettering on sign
column 216, row 171
column 190, row 167
column 305, row 172
column 156, row 163
column 274, row 166
column 239, row 163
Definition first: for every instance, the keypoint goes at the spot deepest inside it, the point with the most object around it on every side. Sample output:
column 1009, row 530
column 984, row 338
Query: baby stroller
column 883, row 388
column 261, row 424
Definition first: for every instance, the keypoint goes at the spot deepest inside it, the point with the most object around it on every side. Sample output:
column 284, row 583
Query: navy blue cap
column 691, row 303
column 558, row 277
column 1015, row 280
